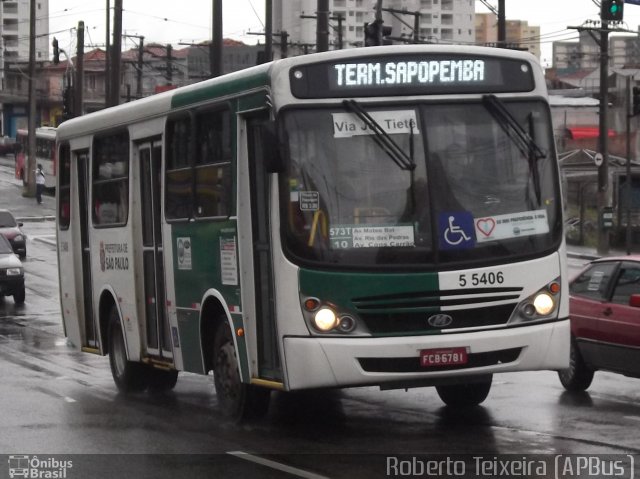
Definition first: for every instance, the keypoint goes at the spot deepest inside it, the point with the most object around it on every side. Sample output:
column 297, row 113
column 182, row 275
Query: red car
column 11, row 229
column 604, row 308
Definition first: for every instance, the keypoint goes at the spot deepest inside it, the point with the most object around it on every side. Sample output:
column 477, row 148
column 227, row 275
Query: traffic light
column 611, row 10
column 635, row 105
column 371, row 38
column 56, row 51
column 67, row 103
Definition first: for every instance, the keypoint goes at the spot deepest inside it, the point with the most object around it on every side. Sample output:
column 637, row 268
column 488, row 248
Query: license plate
column 430, row 358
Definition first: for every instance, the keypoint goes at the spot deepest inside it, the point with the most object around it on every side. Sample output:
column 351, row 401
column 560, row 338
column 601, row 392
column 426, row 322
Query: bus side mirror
column 271, row 150
column 634, row 300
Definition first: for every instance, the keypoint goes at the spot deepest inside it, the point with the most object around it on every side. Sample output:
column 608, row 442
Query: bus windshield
column 473, row 193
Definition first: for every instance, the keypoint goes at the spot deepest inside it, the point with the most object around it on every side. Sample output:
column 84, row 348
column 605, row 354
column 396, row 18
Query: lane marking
column 68, row 399
column 276, row 465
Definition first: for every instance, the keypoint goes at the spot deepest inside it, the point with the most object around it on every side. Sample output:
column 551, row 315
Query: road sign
column 598, row 159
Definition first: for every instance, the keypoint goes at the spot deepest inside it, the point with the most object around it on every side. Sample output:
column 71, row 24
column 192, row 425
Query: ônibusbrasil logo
column 38, row 468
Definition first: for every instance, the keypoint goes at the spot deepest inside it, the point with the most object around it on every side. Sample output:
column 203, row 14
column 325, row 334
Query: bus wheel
column 465, row 395
column 160, row 380
column 237, row 400
column 129, row 376
column 18, row 298
column 577, row 377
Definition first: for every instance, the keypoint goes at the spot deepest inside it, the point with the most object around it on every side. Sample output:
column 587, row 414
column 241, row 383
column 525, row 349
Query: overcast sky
column 174, row 21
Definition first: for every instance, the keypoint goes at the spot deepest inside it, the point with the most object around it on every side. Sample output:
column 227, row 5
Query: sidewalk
column 24, row 209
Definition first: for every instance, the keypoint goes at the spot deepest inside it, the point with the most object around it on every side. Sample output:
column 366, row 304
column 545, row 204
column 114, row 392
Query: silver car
column 11, row 273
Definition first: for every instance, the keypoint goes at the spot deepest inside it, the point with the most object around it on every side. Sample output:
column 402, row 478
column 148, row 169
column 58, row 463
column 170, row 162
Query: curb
column 586, row 256
column 34, row 219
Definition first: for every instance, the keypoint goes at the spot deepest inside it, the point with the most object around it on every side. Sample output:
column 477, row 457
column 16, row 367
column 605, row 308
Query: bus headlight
column 540, row 306
column 325, row 319
column 544, row 304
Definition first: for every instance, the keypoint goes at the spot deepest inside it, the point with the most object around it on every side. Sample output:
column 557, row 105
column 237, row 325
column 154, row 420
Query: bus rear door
column 157, row 325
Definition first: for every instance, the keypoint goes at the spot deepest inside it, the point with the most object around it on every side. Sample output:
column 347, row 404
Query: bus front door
column 263, row 287
column 91, row 332
column 157, row 324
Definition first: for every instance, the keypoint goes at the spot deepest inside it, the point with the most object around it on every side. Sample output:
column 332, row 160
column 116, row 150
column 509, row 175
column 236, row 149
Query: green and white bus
column 385, row 216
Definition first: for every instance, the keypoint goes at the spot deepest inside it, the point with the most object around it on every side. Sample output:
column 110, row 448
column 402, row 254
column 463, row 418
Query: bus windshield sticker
column 346, row 125
column 228, row 261
column 371, row 236
column 309, row 200
column 184, row 253
column 456, row 230
column 512, row 225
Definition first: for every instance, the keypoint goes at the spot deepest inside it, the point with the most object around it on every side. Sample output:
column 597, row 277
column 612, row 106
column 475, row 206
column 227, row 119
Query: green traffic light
column 614, row 9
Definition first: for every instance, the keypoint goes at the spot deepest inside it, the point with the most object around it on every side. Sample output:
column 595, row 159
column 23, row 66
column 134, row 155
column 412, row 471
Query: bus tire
column 20, row 295
column 160, row 380
column 129, row 376
column 238, row 401
column 578, row 376
column 465, row 395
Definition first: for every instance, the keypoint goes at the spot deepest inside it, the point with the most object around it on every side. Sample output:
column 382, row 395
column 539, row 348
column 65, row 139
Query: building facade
column 447, row 21
column 14, row 58
column 519, row 34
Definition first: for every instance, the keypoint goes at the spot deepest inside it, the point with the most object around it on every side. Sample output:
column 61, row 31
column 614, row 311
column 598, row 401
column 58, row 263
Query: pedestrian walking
column 40, row 181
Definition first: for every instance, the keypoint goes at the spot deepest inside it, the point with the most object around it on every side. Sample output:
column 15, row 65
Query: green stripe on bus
column 343, row 288
column 207, row 91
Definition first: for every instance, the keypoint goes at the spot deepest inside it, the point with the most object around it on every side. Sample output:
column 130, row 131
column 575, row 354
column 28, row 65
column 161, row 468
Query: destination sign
column 401, row 73
column 411, row 75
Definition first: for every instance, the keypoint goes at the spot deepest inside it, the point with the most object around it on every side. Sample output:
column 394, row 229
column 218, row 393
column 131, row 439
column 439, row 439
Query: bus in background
column 45, row 154
column 385, row 216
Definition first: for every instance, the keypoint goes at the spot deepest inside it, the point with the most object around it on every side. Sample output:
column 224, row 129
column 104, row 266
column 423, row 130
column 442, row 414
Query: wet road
column 56, row 401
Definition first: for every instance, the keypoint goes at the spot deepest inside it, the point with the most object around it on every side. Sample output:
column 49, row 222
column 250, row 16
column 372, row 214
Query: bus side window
column 64, row 182
column 179, row 172
column 213, row 179
column 111, row 180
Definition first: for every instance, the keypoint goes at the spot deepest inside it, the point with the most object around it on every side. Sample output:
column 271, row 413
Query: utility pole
column 215, row 52
column 502, row 24
column 322, row 26
column 169, row 64
column 79, row 93
column 603, row 142
column 30, row 190
column 116, row 54
column 339, row 18
column 268, row 29
column 629, row 98
column 107, row 59
column 140, row 67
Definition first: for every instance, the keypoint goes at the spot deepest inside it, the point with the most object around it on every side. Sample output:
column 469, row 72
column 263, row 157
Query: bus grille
column 409, row 313
column 412, row 365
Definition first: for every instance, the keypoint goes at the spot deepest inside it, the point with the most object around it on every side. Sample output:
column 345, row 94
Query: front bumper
column 11, row 285
column 341, row 361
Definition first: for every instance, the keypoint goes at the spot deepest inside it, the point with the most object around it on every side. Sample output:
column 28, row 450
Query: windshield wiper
column 382, row 138
column 518, row 135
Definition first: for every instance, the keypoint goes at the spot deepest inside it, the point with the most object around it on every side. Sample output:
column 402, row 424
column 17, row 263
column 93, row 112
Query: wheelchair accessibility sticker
column 456, row 230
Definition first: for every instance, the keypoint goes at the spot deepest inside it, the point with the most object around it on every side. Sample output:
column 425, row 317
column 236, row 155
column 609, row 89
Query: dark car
column 11, row 273
column 604, row 309
column 11, row 229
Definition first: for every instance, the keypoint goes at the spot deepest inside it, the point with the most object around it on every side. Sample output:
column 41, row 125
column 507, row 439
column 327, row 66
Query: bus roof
column 41, row 132
column 262, row 76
